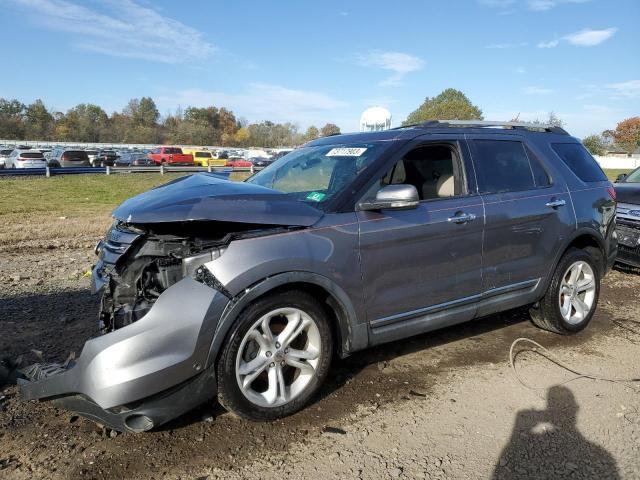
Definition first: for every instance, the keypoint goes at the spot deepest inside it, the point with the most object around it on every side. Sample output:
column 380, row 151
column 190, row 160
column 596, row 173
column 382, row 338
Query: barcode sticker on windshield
column 346, row 152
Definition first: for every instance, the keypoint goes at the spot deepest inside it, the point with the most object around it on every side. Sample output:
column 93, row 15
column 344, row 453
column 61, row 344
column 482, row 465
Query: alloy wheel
column 278, row 357
column 577, row 292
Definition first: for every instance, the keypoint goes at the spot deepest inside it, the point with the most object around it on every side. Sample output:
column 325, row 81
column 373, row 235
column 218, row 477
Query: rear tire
column 268, row 374
column 572, row 296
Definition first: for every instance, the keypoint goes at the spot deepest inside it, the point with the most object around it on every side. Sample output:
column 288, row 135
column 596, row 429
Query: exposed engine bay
column 137, row 263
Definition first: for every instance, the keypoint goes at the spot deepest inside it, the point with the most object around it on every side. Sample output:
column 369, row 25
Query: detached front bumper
column 146, row 373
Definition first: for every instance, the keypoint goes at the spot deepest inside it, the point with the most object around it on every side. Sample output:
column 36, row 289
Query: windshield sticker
column 346, row 152
column 316, row 196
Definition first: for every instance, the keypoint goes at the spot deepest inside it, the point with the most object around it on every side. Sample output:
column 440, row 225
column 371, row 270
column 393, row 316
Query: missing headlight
column 191, row 264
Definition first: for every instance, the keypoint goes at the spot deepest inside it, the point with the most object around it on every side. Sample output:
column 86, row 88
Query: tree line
column 140, row 122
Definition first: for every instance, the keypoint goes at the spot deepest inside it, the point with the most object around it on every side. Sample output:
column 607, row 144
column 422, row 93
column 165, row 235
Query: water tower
column 375, row 119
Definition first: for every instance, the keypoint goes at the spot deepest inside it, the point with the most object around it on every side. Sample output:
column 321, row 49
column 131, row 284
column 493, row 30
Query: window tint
column 75, row 155
column 540, row 175
column 580, row 161
column 503, row 166
column 203, row 155
column 34, row 155
column 173, row 150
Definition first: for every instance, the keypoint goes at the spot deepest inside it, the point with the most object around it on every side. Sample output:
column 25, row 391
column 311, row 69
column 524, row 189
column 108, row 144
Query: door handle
column 463, row 218
column 556, row 203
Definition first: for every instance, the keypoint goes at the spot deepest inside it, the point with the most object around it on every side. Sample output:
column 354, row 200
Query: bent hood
column 628, row 193
column 203, row 197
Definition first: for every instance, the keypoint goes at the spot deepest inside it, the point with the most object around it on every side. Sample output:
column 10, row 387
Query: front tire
column 572, row 296
column 276, row 357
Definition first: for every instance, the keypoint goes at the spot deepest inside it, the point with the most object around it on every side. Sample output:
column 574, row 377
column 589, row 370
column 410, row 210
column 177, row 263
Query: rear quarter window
column 580, row 161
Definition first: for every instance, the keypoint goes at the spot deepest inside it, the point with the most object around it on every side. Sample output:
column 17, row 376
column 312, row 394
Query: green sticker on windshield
column 316, row 196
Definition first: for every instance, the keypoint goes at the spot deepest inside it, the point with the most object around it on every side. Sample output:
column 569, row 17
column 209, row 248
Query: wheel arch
column 583, row 239
column 349, row 334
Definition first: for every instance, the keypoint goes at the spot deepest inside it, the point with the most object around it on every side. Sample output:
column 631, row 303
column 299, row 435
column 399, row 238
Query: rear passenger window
column 503, row 166
column 580, row 161
column 540, row 175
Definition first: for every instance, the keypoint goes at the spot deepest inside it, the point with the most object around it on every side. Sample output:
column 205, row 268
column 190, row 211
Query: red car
column 238, row 162
column 170, row 156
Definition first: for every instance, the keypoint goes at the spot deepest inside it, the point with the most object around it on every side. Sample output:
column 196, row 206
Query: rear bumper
column 146, row 364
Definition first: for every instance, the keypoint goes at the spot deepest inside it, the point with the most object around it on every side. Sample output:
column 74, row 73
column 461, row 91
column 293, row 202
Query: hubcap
column 278, row 357
column 577, row 292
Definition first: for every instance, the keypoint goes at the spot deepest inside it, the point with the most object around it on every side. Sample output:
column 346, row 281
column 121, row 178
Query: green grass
column 76, row 194
column 612, row 173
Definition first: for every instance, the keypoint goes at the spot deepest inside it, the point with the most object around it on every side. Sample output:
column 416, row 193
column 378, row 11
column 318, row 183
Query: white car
column 26, row 159
column 4, row 155
column 92, row 154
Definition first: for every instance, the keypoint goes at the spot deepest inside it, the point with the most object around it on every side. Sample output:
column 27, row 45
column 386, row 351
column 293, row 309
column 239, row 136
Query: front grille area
column 628, row 242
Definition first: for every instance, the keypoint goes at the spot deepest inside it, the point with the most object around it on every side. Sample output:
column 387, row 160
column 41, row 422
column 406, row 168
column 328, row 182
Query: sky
column 311, row 63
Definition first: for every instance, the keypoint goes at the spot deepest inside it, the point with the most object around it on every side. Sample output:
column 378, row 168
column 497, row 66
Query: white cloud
column 496, row 3
column 589, row 37
column 501, row 46
column 630, row 89
column 584, row 38
column 398, row 62
column 261, row 101
column 549, row 44
column 533, row 90
column 124, row 29
column 543, row 5
column 520, row 70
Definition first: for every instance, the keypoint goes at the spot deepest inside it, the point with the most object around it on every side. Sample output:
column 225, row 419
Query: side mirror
column 395, row 197
column 621, row 177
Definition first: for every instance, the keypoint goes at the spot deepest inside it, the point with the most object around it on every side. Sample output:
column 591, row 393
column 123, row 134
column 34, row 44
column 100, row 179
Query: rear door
column 528, row 212
column 422, row 267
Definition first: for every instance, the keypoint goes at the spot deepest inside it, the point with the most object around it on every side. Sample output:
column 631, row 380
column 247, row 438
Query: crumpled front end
column 130, row 378
column 160, row 305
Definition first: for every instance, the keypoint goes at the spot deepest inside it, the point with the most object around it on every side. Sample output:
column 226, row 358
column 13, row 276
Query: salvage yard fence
column 162, row 169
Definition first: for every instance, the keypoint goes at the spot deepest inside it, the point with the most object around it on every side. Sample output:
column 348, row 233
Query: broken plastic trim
column 204, row 276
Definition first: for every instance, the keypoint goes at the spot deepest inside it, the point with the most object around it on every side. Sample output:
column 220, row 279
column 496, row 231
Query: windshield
column 316, row 174
column 633, row 177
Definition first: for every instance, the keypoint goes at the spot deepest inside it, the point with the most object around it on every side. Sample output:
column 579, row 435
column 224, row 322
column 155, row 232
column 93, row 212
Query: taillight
column 612, row 191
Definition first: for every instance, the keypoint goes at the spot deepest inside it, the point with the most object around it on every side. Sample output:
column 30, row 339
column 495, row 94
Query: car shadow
column 61, row 322
column 547, row 444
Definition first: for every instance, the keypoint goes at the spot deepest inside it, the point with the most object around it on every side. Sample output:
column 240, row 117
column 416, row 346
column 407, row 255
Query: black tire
column 546, row 313
column 230, row 395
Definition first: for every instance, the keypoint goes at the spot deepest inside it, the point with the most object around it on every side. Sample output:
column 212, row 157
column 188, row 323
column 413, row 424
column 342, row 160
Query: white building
column 375, row 119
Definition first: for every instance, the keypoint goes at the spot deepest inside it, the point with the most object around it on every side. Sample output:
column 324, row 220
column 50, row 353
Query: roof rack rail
column 489, row 124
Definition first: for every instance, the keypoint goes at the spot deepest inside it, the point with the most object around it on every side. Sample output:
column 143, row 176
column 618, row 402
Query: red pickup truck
column 170, row 156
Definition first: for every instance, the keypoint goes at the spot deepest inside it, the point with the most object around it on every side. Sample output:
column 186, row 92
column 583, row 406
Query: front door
column 418, row 265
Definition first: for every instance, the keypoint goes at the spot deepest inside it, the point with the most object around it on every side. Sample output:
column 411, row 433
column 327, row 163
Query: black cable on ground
column 543, row 352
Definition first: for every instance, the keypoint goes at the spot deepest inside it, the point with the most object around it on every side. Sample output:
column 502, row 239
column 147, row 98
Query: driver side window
column 434, row 170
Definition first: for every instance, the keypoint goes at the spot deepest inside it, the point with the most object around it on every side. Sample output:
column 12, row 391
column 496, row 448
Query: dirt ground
column 442, row 405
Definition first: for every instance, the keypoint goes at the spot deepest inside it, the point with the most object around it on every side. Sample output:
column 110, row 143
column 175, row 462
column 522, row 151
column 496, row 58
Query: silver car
column 4, row 154
column 26, row 159
column 244, row 291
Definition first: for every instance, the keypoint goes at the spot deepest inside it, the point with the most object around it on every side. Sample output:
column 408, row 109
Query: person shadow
column 546, row 444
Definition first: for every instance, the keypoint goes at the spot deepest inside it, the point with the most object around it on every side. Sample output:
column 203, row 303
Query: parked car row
column 73, row 156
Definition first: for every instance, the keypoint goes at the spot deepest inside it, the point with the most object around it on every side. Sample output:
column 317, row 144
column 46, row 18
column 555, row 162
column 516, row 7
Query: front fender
column 353, row 334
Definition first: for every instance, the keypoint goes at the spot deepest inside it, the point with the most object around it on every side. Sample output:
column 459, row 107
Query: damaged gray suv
column 244, row 291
